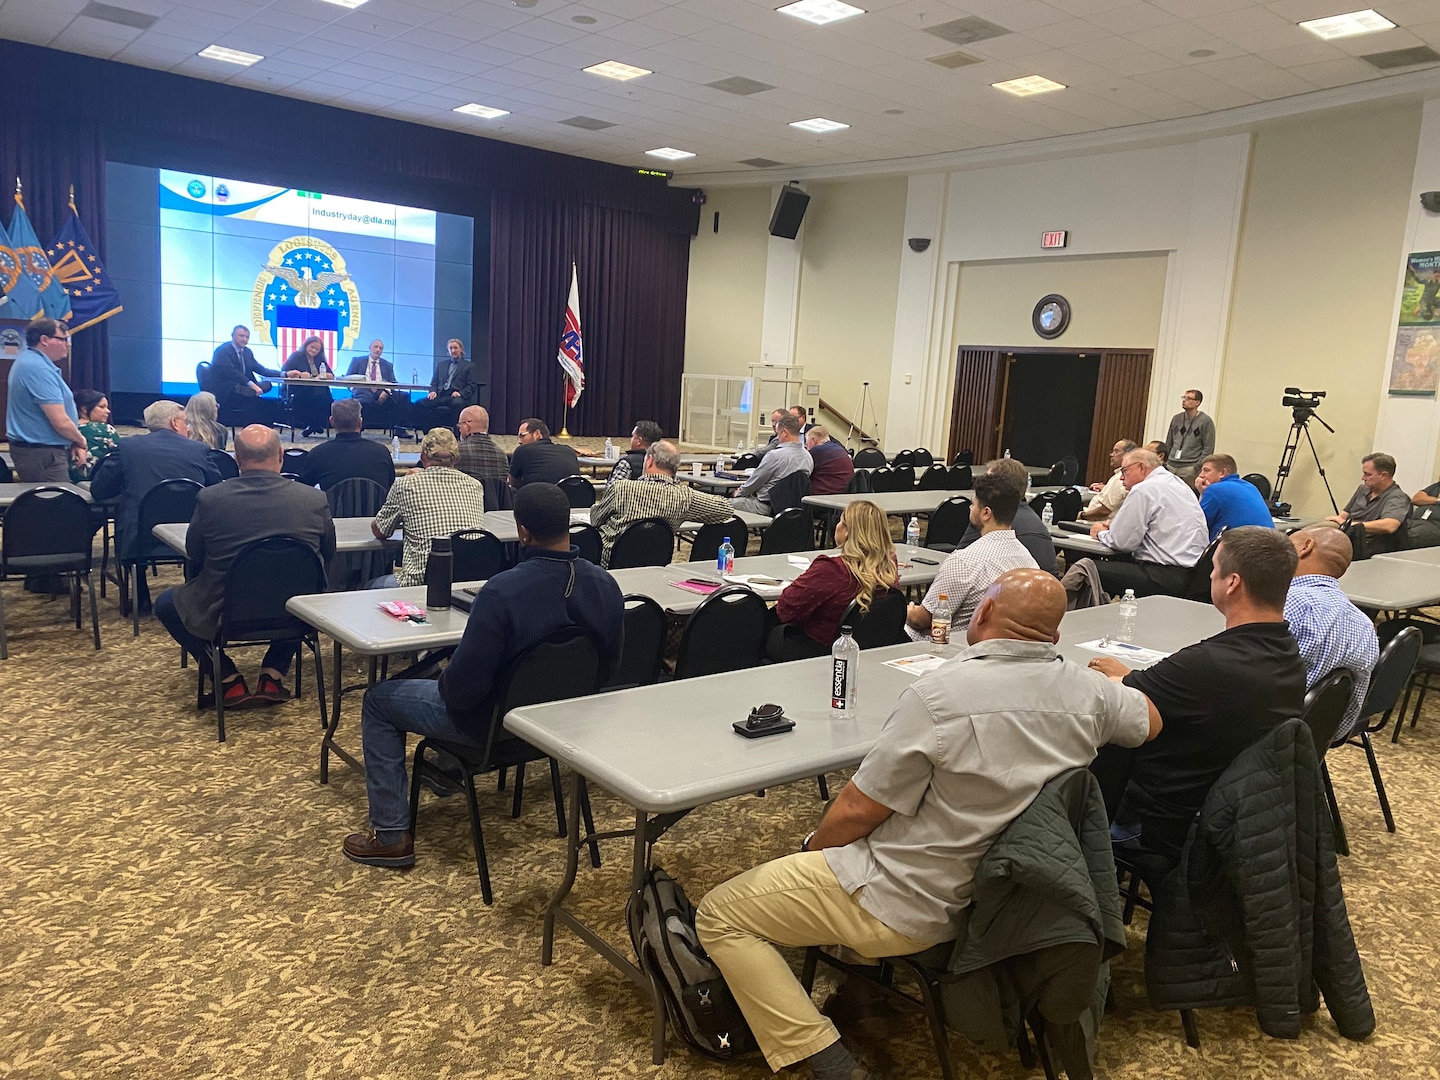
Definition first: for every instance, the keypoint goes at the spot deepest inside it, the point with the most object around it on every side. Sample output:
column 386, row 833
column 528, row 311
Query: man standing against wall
column 1191, row 438
column 40, row 414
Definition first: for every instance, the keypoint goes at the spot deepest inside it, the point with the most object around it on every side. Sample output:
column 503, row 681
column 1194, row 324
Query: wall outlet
column 907, row 378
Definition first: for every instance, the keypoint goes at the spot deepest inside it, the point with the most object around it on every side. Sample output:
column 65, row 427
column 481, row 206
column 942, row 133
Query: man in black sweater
column 348, row 454
column 537, row 460
column 550, row 589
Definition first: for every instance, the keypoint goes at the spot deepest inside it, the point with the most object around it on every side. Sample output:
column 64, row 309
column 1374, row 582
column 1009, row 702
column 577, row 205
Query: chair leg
column 4, row 638
column 807, row 970
column 500, row 779
column 134, row 578
column 299, row 668
column 104, row 554
column 1037, row 1025
column 1192, row 1032
column 519, row 790
column 1342, row 846
column 559, row 797
column 935, row 1017
column 824, row 788
column 75, row 599
column 589, row 819
column 219, row 688
column 1379, row 784
column 95, row 609
column 478, row 835
column 415, row 785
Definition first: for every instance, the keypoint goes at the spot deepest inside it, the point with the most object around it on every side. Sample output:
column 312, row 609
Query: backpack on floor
column 701, row 1008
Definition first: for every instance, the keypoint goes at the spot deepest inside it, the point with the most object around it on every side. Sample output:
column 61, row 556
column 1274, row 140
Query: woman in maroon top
column 811, row 606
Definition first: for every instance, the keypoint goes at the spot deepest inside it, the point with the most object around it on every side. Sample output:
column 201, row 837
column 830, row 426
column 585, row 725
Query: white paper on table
column 798, row 560
column 1134, row 655
column 764, row 590
column 922, row 664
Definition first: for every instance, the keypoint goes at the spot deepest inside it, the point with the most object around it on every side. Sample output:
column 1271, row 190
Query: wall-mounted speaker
column 789, row 212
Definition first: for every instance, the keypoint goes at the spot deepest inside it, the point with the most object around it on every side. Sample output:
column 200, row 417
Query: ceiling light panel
column 1028, row 86
column 346, row 3
column 485, row 112
column 669, row 153
column 1348, row 25
column 819, row 125
column 230, row 56
column 820, row 12
column 614, row 69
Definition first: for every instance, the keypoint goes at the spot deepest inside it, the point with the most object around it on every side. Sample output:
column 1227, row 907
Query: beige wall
column 727, row 283
column 1324, row 225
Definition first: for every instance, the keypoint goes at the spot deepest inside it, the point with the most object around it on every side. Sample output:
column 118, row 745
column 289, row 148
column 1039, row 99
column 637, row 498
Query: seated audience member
column 632, row 463
column 1330, row 631
column 1159, row 449
column 1378, row 504
column 257, row 504
column 479, row 456
column 436, row 499
column 788, row 457
column 774, row 440
column 550, row 589
column 798, row 411
column 1160, row 524
column 1217, row 696
column 1423, row 528
column 202, row 415
column 811, row 606
column 348, row 454
column 831, row 469
column 166, row 453
column 656, row 494
column 890, row 867
column 1111, row 493
column 1227, row 500
column 1029, row 529
column 101, row 438
column 967, row 572
column 537, row 460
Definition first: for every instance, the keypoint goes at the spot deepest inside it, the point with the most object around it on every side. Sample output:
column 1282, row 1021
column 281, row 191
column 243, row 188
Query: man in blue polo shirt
column 40, row 414
column 1227, row 500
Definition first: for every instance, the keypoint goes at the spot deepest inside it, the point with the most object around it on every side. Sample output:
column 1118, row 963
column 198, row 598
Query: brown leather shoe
column 365, row 848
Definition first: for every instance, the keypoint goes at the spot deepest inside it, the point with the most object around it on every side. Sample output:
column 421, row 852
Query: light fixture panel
column 614, row 69
column 819, row 125
column 485, row 112
column 1028, row 86
column 230, row 56
column 669, row 153
column 1348, row 25
column 821, row 12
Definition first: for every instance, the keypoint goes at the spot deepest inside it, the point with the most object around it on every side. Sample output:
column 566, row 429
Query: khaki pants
column 794, row 901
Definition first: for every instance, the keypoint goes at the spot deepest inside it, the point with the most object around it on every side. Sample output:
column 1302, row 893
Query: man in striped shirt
column 435, row 500
column 657, row 494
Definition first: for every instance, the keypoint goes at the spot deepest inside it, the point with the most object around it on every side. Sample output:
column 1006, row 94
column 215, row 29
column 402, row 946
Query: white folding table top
column 1389, row 584
column 351, row 534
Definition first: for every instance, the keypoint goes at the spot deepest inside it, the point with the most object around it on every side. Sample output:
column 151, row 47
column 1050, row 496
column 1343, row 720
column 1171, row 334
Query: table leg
column 572, row 865
column 325, row 739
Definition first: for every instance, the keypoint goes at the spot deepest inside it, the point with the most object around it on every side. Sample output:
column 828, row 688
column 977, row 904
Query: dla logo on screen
column 196, row 189
column 304, row 285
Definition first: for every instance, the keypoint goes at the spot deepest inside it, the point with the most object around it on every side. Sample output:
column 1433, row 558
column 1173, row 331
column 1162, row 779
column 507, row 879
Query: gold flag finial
column 18, row 201
column 72, row 198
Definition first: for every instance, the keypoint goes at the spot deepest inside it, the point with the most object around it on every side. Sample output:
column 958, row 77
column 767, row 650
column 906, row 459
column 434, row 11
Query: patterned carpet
column 173, row 907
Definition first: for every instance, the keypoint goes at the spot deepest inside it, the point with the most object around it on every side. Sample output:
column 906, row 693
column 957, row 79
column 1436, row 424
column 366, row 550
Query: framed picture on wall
column 1415, row 367
column 1420, row 299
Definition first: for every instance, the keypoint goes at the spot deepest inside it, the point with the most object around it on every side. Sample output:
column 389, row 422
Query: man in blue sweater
column 550, row 589
column 1227, row 500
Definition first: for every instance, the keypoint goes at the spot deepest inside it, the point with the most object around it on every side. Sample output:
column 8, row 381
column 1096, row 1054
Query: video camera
column 1296, row 398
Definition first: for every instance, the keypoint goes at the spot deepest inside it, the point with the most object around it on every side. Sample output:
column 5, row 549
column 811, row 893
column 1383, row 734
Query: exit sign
column 1054, row 239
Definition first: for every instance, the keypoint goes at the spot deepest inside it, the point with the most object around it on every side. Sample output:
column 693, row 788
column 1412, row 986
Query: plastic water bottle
column 395, row 448
column 1128, row 610
column 844, row 674
column 739, row 450
column 414, row 376
column 912, row 532
column 725, row 560
column 719, row 463
column 609, row 449
column 1047, row 515
column 940, row 625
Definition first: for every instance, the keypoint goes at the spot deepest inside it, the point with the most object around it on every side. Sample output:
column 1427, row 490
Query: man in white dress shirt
column 1160, row 525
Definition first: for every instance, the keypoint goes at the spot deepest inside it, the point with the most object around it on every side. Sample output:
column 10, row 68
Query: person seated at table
column 788, row 457
column 967, row 572
column 235, row 375
column 1379, row 505
column 1228, row 500
column 166, row 453
column 1160, row 449
column 1029, row 529
column 550, row 589
column 890, row 867
column 537, row 459
column 309, row 405
column 1216, row 697
column 202, row 415
column 257, row 504
column 774, row 440
column 865, row 571
column 656, row 494
column 479, row 456
column 101, row 438
column 382, row 403
column 832, row 468
column 1330, row 630
column 631, row 464
column 452, row 387
column 1110, row 494
column 436, row 499
column 1160, row 524
column 348, row 454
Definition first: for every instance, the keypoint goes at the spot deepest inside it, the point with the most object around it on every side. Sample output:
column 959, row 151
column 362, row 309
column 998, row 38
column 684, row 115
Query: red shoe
column 270, row 692
column 237, row 696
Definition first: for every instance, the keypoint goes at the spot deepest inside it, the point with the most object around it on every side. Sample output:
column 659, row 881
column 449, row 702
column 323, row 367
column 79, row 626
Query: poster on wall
column 1415, row 367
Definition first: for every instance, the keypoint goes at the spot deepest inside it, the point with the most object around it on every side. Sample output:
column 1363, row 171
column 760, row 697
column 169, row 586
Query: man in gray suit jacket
column 257, row 504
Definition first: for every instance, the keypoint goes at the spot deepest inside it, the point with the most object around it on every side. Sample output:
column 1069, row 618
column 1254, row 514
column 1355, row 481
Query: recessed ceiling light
column 894, row 112
column 614, row 69
column 1348, row 25
column 669, row 153
column 819, row 124
column 346, row 3
column 483, row 111
column 820, row 12
column 1030, row 84
column 1200, row 54
column 584, row 20
column 230, row 56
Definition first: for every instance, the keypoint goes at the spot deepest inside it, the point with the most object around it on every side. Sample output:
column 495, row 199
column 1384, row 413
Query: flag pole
column 564, row 424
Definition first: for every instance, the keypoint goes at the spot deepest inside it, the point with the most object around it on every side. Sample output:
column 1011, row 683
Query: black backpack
column 701, row 1008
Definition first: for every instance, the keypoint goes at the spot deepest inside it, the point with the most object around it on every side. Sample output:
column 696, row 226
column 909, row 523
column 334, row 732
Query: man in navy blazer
column 452, row 388
column 235, row 371
column 138, row 464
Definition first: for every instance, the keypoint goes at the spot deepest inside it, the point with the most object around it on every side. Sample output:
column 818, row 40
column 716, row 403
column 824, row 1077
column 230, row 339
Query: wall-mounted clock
column 1051, row 316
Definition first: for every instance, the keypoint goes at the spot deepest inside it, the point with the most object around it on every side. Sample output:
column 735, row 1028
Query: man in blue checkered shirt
column 1330, row 630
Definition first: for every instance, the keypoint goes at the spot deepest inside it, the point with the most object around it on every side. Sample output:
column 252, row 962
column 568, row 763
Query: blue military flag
column 77, row 267
column 33, row 262
column 19, row 299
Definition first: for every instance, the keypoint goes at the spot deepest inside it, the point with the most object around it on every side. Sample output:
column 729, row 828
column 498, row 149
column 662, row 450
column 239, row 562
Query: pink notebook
column 698, row 585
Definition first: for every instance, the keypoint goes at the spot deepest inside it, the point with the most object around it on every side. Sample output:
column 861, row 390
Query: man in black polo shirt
column 537, row 459
column 348, row 454
column 1215, row 697
column 1379, row 505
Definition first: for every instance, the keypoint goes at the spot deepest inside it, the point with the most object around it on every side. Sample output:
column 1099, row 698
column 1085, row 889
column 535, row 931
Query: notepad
column 919, row 665
column 697, row 585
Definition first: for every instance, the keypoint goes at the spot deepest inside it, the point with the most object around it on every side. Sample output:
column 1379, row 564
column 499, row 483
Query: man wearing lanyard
column 1191, row 438
column 40, row 415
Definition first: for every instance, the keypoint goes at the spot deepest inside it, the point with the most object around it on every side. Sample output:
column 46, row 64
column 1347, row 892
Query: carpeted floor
column 173, row 907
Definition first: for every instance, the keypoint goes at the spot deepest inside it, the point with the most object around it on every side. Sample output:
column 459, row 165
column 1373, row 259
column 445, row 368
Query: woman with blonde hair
column 202, row 413
column 812, row 605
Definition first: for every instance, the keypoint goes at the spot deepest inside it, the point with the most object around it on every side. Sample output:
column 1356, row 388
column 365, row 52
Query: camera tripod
column 1299, row 426
column 858, row 424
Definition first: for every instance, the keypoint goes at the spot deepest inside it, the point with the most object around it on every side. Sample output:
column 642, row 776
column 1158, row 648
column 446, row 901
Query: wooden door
column 1122, row 397
column 975, row 413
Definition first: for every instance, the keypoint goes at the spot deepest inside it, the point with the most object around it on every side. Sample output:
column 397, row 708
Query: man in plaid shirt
column 657, row 494
column 435, row 500
column 479, row 456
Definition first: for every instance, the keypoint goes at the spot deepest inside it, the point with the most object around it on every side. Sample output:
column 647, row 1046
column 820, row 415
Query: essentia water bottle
column 725, row 560
column 844, row 674
column 1129, row 608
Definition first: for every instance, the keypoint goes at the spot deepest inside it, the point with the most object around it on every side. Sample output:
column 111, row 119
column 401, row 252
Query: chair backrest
column 646, row 628
column 647, row 542
column 1067, row 505
column 883, row 479
column 294, row 455
column 1262, row 484
column 357, row 497
column 964, row 457
column 225, row 463
column 902, row 477
column 587, row 539
column 883, row 624
column 1072, row 468
column 564, row 665
column 746, row 461
column 962, row 478
column 261, row 578
column 904, row 457
column 1197, row 581
column 949, row 521
column 1325, row 705
column 788, row 491
column 1057, row 474
column 870, row 458
column 935, row 478
column 923, row 458
column 168, row 502
column 860, row 483
column 47, row 521
column 579, row 491
column 498, row 495
column 475, row 555
column 8, row 477
column 1359, row 547
column 726, row 633
column 1044, row 499
column 792, row 530
column 202, row 374
column 1392, row 672
column 706, row 545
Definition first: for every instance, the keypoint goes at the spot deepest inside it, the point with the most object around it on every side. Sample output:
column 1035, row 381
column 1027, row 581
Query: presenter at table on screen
column 374, row 368
column 452, row 387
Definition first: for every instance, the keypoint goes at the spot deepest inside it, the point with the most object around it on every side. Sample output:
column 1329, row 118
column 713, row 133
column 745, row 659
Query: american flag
column 571, row 356
column 294, row 324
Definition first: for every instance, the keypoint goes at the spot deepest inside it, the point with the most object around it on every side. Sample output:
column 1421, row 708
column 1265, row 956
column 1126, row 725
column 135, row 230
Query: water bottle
column 1007, row 451
column 438, row 570
column 844, row 674
column 725, row 560
column 739, row 450
column 912, row 532
column 1128, row 610
column 940, row 625
column 395, row 448
column 609, row 449
column 719, row 463
column 1047, row 515
column 414, row 376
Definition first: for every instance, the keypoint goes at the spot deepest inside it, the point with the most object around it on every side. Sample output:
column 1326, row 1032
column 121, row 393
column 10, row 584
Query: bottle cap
column 847, row 629
column 727, row 539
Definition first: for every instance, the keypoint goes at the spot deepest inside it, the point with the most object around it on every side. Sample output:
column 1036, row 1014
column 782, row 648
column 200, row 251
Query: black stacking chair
column 169, row 502
column 225, row 463
column 648, row 542
column 294, row 455
column 948, row 524
column 883, row 479
column 6, row 476
column 883, row 624
column 476, row 555
column 923, row 458
column 1057, row 474
column 355, row 497
column 871, row 458
column 964, row 457
column 47, row 531
column 1325, row 705
column 746, row 461
column 1262, row 484
column 580, row 491
column 104, row 512
column 790, row 530
column 962, row 478
column 861, row 482
column 1390, row 677
column 1067, row 505
column 587, row 539
column 790, row 490
column 902, row 477
column 1072, row 469
column 726, row 633
column 902, row 459
column 646, row 627
column 1197, row 582
column 1044, row 499
column 1359, row 547
column 706, row 545
column 498, row 495
column 935, row 478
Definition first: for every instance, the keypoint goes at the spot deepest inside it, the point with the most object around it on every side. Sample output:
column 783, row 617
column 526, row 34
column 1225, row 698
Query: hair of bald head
column 664, row 455
column 158, row 414
column 1145, row 457
column 257, row 445
column 345, row 414
column 476, row 414
column 817, row 434
column 1333, row 551
column 1026, row 604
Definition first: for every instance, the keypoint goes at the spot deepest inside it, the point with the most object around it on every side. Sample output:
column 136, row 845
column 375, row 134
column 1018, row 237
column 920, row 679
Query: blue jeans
column 391, row 709
column 385, row 581
column 278, row 657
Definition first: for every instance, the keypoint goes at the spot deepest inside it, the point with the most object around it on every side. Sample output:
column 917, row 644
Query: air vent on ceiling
column 589, row 123
column 137, row 20
column 1398, row 58
column 968, row 30
column 955, row 60
column 738, row 84
column 761, row 162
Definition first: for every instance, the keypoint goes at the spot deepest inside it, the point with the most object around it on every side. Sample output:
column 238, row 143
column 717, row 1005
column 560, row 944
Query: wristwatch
column 805, row 844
